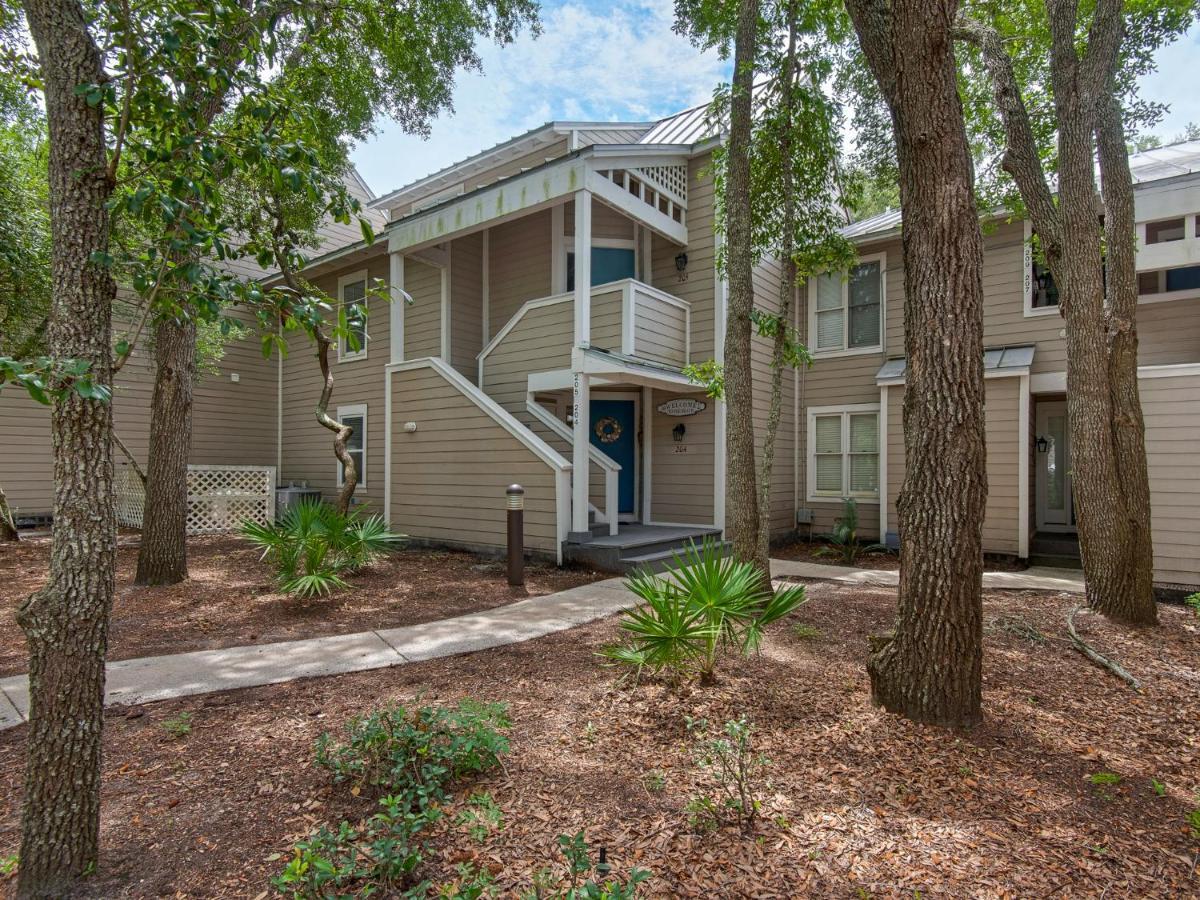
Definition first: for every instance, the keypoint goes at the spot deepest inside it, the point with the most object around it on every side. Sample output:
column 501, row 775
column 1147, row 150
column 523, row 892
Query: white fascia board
column 1008, row 372
column 514, row 196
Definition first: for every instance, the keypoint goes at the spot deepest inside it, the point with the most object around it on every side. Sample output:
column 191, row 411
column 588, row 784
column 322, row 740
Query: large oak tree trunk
column 66, row 623
column 930, row 668
column 1107, row 517
column 741, row 494
column 8, row 525
column 162, row 558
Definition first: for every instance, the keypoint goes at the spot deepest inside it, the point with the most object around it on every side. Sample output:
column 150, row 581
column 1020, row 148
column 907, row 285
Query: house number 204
column 680, row 448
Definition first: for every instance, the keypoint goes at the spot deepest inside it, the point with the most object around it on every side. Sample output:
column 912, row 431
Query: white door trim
column 1044, row 408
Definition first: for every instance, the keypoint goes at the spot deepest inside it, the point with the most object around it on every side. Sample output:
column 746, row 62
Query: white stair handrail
column 607, row 464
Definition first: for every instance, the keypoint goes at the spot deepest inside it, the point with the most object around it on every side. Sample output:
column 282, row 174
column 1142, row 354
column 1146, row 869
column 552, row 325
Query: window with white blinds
column 846, row 309
column 352, row 295
column 844, row 452
column 354, row 416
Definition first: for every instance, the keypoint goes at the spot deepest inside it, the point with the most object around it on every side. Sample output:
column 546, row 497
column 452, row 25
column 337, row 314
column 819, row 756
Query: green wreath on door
column 608, row 430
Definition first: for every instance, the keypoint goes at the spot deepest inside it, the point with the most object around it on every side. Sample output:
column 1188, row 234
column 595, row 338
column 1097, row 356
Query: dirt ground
column 230, row 598
column 817, row 551
column 858, row 803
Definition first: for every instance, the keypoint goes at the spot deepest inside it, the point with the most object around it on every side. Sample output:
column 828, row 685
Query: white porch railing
column 608, row 467
column 219, row 499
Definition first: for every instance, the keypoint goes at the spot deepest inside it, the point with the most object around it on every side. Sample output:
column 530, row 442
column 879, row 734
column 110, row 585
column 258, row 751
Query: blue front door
column 614, row 432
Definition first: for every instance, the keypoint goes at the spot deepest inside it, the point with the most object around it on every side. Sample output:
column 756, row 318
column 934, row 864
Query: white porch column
column 396, row 312
column 581, row 409
column 581, row 416
column 583, row 268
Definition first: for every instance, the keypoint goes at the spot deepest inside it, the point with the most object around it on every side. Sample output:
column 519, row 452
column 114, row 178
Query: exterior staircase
column 634, row 546
column 1055, row 550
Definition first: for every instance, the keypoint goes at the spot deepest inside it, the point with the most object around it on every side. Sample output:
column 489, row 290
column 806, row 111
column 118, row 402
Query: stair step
column 1054, row 561
column 661, row 560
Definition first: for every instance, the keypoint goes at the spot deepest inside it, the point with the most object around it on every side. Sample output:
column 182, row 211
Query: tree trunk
column 787, row 291
column 66, row 622
column 741, row 494
column 8, row 525
column 341, row 433
column 1135, row 604
column 1105, row 529
column 162, row 558
column 930, row 668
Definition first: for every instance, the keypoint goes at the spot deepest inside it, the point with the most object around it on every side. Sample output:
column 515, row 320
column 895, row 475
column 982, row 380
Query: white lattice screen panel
column 220, row 498
column 670, row 180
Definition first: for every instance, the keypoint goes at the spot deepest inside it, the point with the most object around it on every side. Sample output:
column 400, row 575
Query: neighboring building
column 560, row 281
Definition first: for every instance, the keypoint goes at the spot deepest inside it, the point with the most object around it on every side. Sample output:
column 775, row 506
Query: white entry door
column 1053, row 468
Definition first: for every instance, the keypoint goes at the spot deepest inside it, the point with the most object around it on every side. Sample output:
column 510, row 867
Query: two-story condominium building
column 559, row 283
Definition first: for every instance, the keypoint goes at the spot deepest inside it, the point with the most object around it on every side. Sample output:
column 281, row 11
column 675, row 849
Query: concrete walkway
column 1035, row 578
column 150, row 678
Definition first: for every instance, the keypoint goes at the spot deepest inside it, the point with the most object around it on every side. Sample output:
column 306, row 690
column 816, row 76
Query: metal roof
column 880, row 223
column 997, row 361
column 1165, row 162
column 688, row 127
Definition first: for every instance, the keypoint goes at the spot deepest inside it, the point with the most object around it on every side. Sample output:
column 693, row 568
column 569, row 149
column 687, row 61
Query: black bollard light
column 516, row 534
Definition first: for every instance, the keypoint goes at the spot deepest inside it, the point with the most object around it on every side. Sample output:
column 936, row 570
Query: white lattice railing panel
column 220, row 498
column 662, row 187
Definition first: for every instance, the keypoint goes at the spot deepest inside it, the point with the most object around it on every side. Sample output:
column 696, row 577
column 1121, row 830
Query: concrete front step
column 1055, row 560
column 661, row 560
column 636, row 545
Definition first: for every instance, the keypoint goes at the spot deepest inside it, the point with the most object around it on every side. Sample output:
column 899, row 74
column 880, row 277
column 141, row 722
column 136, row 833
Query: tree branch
column 1021, row 158
column 1102, row 661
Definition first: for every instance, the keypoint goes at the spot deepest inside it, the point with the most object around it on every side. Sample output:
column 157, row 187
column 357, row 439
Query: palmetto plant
column 704, row 604
column 844, row 538
column 313, row 546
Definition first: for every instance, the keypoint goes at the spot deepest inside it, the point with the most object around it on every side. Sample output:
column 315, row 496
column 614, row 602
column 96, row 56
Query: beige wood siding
column 233, row 423
column 1168, row 333
column 540, row 341
column 450, row 475
column 519, row 266
column 682, row 473
column 1002, row 430
column 1171, row 407
column 607, row 223
column 606, row 319
column 307, row 446
column 422, row 317
column 466, row 304
column 660, row 330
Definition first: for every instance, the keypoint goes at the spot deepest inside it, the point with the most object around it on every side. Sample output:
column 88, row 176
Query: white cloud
column 598, row 61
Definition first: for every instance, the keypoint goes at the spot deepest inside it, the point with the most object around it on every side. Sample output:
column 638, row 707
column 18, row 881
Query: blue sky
column 615, row 60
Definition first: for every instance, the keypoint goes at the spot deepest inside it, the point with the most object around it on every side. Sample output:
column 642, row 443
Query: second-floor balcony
column 628, row 317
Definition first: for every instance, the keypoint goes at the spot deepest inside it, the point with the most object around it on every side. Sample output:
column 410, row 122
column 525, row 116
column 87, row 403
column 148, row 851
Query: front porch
column 636, row 546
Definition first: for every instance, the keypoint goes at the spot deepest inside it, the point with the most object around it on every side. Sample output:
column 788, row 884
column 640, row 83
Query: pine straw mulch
column 860, row 803
column 230, row 598
column 817, row 550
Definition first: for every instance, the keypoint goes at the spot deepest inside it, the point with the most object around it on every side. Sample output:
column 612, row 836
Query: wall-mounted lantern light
column 1043, row 445
column 678, row 432
column 680, row 262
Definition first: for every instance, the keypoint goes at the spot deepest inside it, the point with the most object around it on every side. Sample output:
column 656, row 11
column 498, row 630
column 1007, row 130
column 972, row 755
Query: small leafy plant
column 8, row 864
column 1105, row 779
column 179, row 726
column 314, row 546
column 601, row 885
column 1194, row 820
column 1193, row 602
column 481, row 817
column 414, row 754
column 1160, row 789
column 655, row 781
column 736, row 772
column 704, row 604
column 806, row 632
column 843, row 540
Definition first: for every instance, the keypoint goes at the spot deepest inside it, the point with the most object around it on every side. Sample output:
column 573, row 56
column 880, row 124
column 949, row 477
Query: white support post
column 485, row 286
column 883, row 463
column 628, row 318
column 396, row 312
column 647, row 452
column 387, row 445
column 647, row 255
column 581, row 413
column 447, row 351
column 583, row 268
column 721, row 293
column 1024, row 449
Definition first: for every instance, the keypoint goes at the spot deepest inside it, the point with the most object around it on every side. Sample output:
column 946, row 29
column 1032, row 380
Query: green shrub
column 583, row 880
column 179, row 726
column 1193, row 600
column 415, row 754
column 735, row 771
column 382, row 855
column 704, row 604
column 313, row 546
column 843, row 541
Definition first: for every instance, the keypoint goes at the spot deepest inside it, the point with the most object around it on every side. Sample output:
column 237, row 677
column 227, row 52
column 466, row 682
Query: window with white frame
column 354, row 416
column 352, row 298
column 843, row 452
column 846, row 309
